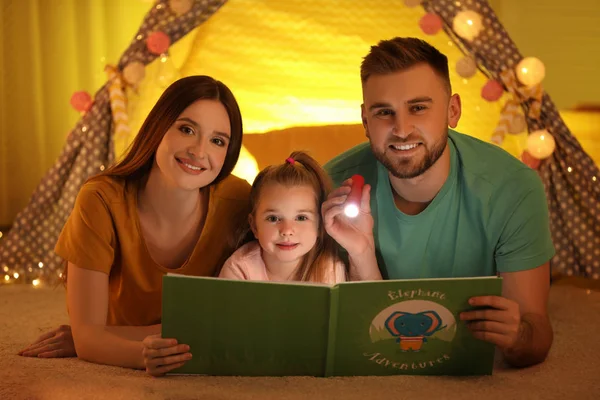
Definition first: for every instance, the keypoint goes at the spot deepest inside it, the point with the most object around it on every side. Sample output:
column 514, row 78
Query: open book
column 388, row 327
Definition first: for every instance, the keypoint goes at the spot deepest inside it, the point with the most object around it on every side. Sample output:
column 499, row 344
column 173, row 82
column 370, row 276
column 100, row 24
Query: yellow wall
column 48, row 50
column 565, row 35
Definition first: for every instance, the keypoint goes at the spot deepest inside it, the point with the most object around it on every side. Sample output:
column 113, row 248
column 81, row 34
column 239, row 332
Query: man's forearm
column 534, row 342
column 363, row 267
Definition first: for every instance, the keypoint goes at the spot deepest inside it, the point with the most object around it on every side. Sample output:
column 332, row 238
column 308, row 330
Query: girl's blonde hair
column 300, row 169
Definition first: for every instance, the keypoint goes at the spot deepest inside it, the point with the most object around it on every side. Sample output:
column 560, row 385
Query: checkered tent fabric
column 570, row 176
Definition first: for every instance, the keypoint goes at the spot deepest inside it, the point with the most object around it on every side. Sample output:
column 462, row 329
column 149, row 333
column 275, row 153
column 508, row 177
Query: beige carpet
column 572, row 370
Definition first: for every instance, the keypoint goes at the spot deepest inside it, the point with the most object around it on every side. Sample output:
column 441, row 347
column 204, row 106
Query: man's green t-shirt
column 490, row 216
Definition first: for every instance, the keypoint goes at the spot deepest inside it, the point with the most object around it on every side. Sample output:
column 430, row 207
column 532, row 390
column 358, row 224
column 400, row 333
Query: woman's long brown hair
column 304, row 171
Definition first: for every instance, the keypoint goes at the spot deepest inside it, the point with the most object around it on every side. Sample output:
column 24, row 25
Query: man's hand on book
column 353, row 234
column 498, row 324
column 163, row 355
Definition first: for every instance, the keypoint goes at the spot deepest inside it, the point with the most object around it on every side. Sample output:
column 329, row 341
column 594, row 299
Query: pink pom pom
column 492, row 90
column 530, row 160
column 81, row 101
column 158, row 43
column 431, row 23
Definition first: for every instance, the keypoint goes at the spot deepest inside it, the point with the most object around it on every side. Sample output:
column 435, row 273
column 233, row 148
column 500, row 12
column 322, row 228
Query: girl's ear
column 252, row 224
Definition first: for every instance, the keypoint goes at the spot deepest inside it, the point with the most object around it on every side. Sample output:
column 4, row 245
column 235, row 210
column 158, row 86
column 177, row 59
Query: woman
column 167, row 207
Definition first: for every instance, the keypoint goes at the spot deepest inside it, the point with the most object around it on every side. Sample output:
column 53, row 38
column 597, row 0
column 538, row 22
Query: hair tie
column 290, row 160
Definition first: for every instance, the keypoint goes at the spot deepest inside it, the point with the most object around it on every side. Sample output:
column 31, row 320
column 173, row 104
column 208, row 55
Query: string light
column 5, row 268
column 41, row 264
column 35, row 282
column 594, row 178
column 6, row 278
column 569, row 169
column 0, row 234
column 16, row 275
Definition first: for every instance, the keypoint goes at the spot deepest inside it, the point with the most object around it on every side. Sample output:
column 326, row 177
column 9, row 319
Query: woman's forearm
column 118, row 346
column 134, row 332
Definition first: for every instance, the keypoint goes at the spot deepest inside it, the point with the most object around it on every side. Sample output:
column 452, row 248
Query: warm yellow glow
column 569, row 169
column 0, row 234
column 41, row 264
column 16, row 275
column 6, row 278
column 35, row 282
column 594, row 178
column 5, row 268
column 315, row 82
column 246, row 167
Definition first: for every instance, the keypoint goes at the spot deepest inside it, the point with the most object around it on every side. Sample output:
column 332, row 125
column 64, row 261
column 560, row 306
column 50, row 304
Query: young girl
column 166, row 207
column 289, row 238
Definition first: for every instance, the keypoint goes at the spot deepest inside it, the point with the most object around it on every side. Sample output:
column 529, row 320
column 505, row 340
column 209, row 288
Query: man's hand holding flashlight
column 348, row 220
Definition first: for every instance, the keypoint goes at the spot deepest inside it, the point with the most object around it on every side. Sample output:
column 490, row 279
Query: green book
column 392, row 327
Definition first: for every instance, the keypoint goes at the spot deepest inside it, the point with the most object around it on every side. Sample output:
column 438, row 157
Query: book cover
column 390, row 327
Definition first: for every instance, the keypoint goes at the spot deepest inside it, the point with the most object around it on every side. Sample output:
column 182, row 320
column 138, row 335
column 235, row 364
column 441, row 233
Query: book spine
column 332, row 331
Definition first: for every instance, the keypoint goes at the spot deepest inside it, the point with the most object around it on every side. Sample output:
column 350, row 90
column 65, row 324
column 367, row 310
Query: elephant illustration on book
column 411, row 330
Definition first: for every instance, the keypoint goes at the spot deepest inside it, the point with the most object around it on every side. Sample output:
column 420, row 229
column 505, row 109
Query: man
column 444, row 204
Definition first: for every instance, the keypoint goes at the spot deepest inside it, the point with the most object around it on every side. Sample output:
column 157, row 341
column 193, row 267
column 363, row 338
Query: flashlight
column 353, row 200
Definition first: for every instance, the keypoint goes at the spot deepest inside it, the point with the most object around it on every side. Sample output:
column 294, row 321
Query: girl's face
column 192, row 152
column 286, row 223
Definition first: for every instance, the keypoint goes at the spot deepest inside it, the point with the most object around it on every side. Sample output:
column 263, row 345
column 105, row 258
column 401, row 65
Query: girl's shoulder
column 339, row 271
column 249, row 251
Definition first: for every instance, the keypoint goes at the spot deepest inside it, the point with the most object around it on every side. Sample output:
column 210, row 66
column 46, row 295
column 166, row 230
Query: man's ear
column 252, row 224
column 454, row 110
column 363, row 114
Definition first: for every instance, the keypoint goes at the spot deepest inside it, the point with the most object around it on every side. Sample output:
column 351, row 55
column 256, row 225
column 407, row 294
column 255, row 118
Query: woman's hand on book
column 498, row 324
column 163, row 355
column 54, row 344
column 353, row 234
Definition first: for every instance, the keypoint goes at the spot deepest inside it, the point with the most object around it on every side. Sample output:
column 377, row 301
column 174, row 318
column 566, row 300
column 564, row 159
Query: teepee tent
column 293, row 67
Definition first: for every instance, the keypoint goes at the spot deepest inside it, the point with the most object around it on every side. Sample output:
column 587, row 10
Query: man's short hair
column 398, row 54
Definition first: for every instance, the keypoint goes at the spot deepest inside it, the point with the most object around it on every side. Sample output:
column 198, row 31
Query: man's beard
column 410, row 167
